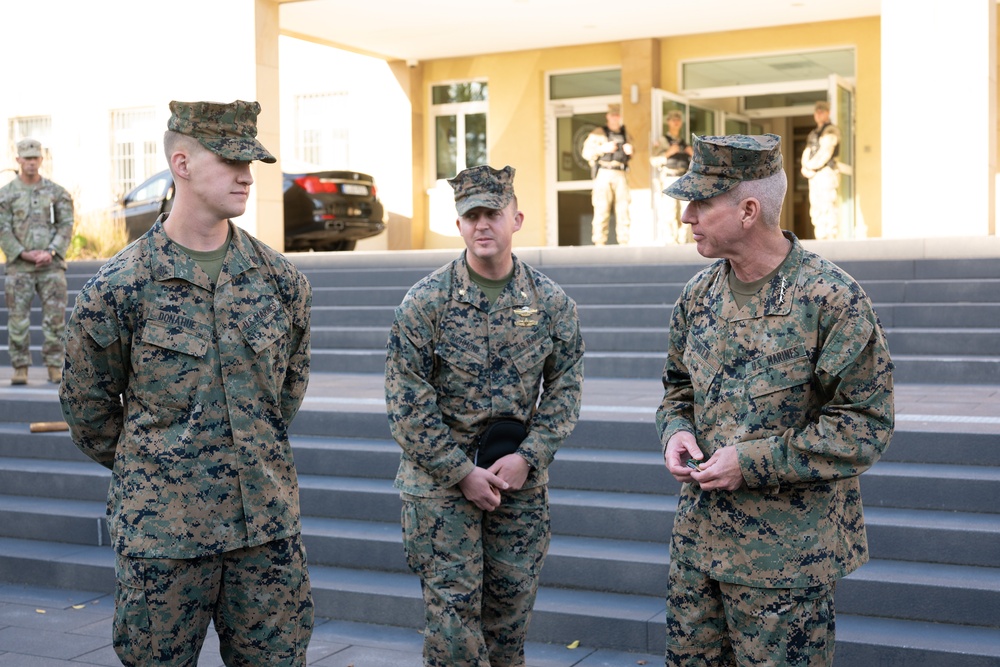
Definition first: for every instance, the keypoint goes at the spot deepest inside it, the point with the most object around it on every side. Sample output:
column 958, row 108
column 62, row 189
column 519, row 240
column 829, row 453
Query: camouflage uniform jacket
column 800, row 381
column 186, row 391
column 35, row 217
column 455, row 362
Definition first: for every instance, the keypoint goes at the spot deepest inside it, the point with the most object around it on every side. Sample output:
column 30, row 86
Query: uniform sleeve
column 63, row 211
column 9, row 243
column 676, row 411
column 591, row 149
column 95, row 376
column 562, row 386
column 827, row 144
column 853, row 425
column 293, row 390
column 415, row 420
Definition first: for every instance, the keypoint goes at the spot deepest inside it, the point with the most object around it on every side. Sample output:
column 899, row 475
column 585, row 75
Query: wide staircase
column 930, row 595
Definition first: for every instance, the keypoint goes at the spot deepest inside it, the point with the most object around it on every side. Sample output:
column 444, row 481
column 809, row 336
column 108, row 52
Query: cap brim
column 694, row 187
column 495, row 202
column 29, row 154
column 241, row 150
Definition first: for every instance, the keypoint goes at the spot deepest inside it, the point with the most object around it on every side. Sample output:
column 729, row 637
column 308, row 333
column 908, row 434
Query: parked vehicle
column 324, row 210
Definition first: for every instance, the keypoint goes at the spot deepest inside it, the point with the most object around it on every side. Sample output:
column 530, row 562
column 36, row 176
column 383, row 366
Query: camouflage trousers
column 478, row 573
column 611, row 189
column 716, row 624
column 19, row 291
column 259, row 599
column 824, row 204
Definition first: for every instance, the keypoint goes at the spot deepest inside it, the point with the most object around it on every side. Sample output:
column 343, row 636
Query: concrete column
column 640, row 74
column 939, row 120
column 268, row 199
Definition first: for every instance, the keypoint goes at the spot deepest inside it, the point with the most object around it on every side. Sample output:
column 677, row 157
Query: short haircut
column 174, row 140
column 769, row 191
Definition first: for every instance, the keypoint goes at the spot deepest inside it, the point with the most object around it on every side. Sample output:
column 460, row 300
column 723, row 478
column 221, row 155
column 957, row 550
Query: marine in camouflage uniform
column 482, row 338
column 36, row 226
column 819, row 165
column 779, row 381
column 182, row 376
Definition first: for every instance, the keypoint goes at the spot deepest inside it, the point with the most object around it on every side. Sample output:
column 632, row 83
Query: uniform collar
column 168, row 261
column 778, row 294
column 514, row 295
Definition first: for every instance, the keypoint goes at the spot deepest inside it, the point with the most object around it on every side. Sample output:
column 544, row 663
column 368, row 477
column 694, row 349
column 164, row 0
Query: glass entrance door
column 842, row 115
column 571, row 207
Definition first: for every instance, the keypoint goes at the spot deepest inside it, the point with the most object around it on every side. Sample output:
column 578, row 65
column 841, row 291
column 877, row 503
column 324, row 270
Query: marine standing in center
column 485, row 353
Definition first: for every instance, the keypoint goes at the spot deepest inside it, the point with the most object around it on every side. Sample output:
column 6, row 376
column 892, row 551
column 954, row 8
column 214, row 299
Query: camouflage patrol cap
column 29, row 148
column 674, row 113
column 719, row 163
column 483, row 186
column 822, row 106
column 615, row 109
column 228, row 130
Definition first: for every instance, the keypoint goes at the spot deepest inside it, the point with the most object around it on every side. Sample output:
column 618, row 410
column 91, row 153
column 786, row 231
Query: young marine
column 187, row 357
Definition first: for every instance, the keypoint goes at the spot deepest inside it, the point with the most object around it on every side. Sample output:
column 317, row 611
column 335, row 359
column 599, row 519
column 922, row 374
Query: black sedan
column 324, row 210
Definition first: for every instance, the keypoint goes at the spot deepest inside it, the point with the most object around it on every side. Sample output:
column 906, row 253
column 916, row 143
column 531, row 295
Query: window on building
column 767, row 69
column 135, row 147
column 458, row 112
column 322, row 130
column 585, row 84
column 34, row 127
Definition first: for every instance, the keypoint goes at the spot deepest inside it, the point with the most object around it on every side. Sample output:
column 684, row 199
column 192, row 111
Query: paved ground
column 58, row 628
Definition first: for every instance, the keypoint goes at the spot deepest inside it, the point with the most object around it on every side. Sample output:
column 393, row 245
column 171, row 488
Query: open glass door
column 573, row 210
column 667, row 228
column 841, row 94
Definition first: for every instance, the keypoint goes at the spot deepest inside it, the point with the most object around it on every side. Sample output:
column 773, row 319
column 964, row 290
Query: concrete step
column 950, row 369
column 864, row 641
column 960, row 488
column 607, row 620
column 926, row 592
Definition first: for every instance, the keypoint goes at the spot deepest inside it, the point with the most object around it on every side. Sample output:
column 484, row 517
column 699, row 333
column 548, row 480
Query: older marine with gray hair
column 778, row 394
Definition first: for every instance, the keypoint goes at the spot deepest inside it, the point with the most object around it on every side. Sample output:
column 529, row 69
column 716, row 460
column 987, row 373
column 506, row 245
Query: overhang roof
column 417, row 30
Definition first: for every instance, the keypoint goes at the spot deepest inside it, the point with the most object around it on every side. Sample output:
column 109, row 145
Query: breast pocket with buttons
column 170, row 363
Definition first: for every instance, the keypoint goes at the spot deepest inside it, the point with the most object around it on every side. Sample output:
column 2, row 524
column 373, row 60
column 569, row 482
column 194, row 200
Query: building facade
column 413, row 124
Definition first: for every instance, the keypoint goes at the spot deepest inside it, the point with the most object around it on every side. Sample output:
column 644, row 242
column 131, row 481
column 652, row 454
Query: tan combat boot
column 55, row 374
column 20, row 375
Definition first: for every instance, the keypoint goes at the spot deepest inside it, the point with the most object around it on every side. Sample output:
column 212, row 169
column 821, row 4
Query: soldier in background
column 608, row 149
column 36, row 226
column 471, row 348
column 778, row 394
column 670, row 159
column 187, row 357
column 819, row 165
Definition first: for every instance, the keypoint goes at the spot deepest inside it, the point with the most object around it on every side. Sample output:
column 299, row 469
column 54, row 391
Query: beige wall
column 267, row 182
column 515, row 128
column 517, row 104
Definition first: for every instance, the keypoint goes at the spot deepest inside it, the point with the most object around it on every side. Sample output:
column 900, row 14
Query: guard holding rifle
column 608, row 149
